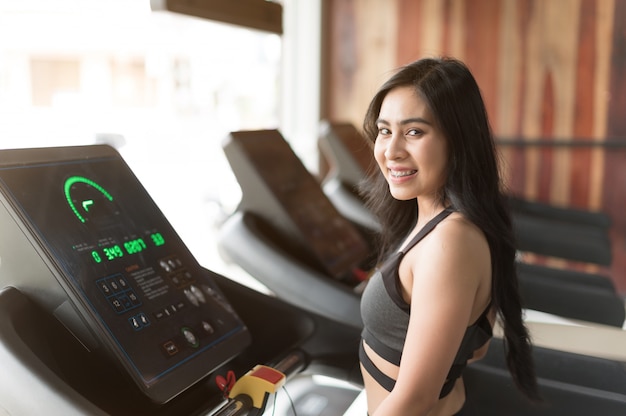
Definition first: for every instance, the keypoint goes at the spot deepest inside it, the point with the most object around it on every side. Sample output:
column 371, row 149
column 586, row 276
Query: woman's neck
column 427, row 210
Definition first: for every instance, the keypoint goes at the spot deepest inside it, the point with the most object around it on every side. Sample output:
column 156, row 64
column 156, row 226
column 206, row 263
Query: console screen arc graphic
column 158, row 310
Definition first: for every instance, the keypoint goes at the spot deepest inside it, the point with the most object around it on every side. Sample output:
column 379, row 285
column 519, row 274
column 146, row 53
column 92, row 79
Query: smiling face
column 410, row 149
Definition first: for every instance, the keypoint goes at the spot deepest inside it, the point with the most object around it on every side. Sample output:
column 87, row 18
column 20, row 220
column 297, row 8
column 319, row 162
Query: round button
column 190, row 337
column 192, row 298
column 198, row 294
column 207, row 327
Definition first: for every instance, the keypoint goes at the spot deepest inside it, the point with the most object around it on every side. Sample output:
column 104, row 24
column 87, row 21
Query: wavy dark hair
column 473, row 187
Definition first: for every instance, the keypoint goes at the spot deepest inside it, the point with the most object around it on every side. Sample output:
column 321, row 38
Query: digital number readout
column 135, row 246
column 130, row 247
column 157, row 239
column 112, row 252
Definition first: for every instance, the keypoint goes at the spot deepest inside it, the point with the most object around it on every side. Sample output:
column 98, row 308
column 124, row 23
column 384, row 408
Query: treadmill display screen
column 122, row 265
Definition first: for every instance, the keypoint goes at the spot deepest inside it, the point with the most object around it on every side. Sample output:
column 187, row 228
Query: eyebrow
column 407, row 121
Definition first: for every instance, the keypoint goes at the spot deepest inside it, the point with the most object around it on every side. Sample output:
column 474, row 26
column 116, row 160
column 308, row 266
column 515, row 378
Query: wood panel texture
column 550, row 71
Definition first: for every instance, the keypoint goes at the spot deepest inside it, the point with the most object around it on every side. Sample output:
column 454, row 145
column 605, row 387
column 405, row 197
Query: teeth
column 399, row 174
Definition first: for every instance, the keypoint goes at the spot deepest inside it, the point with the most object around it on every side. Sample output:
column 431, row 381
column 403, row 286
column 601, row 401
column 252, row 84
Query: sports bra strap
column 428, row 228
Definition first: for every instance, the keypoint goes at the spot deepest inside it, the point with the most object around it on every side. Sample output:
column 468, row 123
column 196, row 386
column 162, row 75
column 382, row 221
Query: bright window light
column 165, row 89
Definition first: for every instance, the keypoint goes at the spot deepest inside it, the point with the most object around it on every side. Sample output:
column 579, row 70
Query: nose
column 395, row 147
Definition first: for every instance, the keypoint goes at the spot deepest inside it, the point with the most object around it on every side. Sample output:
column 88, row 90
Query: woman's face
column 410, row 150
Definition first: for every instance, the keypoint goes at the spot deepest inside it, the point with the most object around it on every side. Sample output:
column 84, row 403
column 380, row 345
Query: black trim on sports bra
column 388, row 353
column 381, row 378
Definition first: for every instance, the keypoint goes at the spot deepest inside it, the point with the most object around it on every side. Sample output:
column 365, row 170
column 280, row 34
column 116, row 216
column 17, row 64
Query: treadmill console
column 351, row 156
column 277, row 187
column 108, row 252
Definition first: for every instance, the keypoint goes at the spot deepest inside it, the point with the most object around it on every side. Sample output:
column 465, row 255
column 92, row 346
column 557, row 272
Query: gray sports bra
column 386, row 318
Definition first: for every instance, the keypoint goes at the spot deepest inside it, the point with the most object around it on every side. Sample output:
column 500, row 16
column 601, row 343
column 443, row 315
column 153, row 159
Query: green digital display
column 116, row 251
column 135, row 246
column 157, row 239
column 96, row 256
column 84, row 196
column 112, row 252
column 88, row 199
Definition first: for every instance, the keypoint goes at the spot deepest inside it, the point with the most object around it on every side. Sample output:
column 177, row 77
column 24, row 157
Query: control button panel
column 118, row 293
column 172, row 282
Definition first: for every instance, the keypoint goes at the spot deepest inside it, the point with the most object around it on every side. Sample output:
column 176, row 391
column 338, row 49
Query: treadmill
column 350, row 161
column 104, row 310
column 287, row 234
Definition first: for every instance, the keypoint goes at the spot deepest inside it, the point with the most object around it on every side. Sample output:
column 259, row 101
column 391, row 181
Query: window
column 163, row 87
column 52, row 79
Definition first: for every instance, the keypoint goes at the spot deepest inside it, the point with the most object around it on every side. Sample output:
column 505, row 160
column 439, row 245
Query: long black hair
column 473, row 187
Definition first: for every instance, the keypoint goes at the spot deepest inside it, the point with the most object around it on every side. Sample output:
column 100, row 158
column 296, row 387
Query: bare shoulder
column 451, row 266
column 455, row 248
column 459, row 233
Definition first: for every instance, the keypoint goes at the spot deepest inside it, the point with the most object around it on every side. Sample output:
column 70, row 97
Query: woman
column 447, row 245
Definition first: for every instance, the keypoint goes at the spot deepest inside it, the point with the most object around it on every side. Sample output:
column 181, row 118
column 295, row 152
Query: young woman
column 447, row 248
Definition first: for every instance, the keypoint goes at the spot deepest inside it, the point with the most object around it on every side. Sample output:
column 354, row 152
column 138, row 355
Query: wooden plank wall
column 549, row 70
